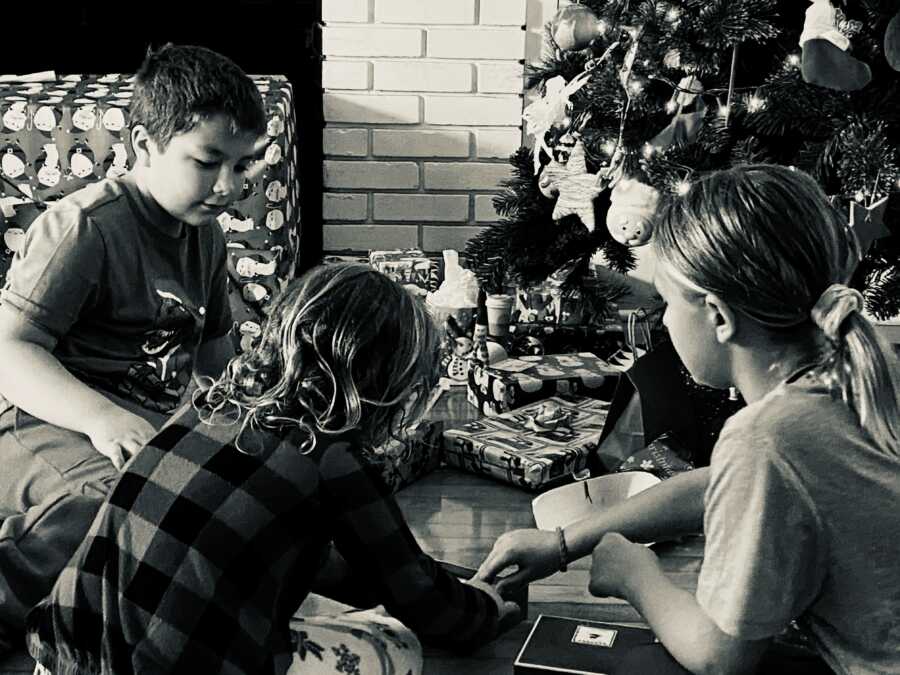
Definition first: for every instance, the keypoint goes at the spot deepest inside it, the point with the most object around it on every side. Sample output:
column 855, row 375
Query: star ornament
column 576, row 189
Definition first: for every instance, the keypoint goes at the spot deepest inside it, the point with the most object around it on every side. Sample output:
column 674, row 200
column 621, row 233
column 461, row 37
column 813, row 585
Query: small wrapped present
column 664, row 458
column 406, row 459
column 534, row 339
column 535, row 446
column 410, row 267
column 511, row 383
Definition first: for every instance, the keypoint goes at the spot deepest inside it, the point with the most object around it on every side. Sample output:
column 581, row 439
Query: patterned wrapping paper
column 534, row 339
column 57, row 136
column 417, row 452
column 513, row 449
column 511, row 383
column 408, row 267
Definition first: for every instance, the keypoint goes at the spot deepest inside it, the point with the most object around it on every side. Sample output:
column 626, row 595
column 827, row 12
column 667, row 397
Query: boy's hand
column 616, row 563
column 534, row 552
column 118, row 434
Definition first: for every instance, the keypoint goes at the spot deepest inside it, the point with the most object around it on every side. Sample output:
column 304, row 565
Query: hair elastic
column 833, row 306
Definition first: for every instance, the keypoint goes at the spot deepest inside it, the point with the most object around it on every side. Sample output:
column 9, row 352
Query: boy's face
column 200, row 172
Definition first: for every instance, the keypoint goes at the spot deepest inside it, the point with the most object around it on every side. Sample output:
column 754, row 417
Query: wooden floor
column 457, row 517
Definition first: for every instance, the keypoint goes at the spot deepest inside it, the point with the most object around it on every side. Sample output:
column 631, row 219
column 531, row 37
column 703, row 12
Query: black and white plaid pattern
column 201, row 554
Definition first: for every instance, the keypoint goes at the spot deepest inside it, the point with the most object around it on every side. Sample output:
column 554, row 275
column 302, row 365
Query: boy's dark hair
column 178, row 86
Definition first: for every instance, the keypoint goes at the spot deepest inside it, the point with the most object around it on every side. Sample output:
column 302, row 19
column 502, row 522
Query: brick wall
column 423, row 104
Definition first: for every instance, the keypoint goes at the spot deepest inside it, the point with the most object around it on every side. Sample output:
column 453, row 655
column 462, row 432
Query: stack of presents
column 556, row 406
column 59, row 133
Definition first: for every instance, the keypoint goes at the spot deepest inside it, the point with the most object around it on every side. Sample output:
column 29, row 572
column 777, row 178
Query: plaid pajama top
column 201, row 554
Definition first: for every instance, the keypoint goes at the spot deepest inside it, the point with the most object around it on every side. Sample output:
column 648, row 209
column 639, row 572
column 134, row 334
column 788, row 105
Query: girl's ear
column 140, row 143
column 721, row 317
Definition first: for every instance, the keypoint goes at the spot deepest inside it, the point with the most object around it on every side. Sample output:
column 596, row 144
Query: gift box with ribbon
column 508, row 384
column 534, row 446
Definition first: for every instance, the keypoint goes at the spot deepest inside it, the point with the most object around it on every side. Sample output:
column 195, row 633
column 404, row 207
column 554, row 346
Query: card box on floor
column 559, row 644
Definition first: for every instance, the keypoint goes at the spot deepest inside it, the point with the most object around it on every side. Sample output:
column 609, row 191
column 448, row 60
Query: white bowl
column 565, row 505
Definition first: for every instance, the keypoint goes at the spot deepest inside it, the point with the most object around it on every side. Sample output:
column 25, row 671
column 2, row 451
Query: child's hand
column 616, row 562
column 509, row 612
column 534, row 552
column 118, row 434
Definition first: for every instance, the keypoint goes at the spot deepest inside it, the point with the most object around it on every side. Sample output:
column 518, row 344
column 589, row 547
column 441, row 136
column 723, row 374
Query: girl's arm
column 371, row 534
column 631, row 571
column 671, row 508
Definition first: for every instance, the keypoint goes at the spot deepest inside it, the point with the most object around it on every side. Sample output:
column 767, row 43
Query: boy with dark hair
column 117, row 296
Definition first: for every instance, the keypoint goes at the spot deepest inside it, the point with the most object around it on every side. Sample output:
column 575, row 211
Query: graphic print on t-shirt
column 159, row 380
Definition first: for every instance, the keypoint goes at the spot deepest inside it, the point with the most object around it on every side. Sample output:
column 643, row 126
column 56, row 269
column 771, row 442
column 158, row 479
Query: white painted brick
column 346, row 142
column 422, row 207
column 371, row 109
column 502, row 12
column 484, row 209
column 464, row 175
column 425, row 11
column 423, row 76
column 476, row 43
column 473, row 110
column 344, row 206
column 403, row 143
column 501, row 78
column 491, row 143
column 441, row 237
column 374, row 175
column 371, row 41
column 345, row 10
column 338, row 237
column 539, row 12
column 345, row 74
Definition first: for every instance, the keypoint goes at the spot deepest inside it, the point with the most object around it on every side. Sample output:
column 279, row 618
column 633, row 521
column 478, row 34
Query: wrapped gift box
column 534, row 339
column 511, row 383
column 59, row 135
column 406, row 459
column 408, row 267
column 517, row 448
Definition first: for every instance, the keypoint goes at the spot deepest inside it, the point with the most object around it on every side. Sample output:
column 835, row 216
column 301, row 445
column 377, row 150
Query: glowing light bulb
column 793, row 60
column 608, row 147
column 682, row 187
column 602, row 26
column 755, row 103
column 636, row 87
column 860, row 196
column 673, row 14
column 648, row 150
column 671, row 106
column 723, row 110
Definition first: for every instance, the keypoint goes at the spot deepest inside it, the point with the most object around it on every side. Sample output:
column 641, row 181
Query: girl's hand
column 534, row 552
column 509, row 613
column 118, row 434
column 616, row 564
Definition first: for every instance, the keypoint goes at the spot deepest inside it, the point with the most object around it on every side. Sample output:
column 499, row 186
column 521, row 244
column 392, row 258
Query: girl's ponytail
column 856, row 365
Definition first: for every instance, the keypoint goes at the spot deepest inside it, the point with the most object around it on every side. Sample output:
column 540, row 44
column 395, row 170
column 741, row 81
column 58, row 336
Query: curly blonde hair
column 344, row 348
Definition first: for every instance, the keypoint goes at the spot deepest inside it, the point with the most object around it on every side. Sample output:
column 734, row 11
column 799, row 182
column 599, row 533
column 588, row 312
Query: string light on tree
column 682, row 187
column 755, row 103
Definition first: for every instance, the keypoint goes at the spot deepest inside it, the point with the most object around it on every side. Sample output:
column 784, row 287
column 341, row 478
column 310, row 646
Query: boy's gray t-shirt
column 802, row 522
column 128, row 292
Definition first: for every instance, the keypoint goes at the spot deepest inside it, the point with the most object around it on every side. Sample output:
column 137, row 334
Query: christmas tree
column 637, row 98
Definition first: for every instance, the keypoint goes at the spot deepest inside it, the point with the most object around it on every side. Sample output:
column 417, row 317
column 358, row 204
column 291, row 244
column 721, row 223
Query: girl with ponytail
column 799, row 504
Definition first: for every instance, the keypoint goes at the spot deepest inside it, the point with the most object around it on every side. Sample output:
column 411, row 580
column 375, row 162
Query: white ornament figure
column 12, row 165
column 552, row 108
column 631, row 213
column 14, row 238
column 576, row 188
column 45, row 118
